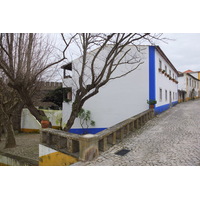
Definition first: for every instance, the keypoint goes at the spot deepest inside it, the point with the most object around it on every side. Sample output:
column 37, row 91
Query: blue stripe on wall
column 88, row 131
column 152, row 73
column 163, row 108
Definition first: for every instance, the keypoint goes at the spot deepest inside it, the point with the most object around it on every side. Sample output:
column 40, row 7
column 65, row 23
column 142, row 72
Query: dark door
column 170, row 98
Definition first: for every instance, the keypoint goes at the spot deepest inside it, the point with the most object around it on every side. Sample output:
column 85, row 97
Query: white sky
column 183, row 50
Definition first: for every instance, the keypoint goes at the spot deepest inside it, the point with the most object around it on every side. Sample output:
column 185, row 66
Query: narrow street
column 170, row 139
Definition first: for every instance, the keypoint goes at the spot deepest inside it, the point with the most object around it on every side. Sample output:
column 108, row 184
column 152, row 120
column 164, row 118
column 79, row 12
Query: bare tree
column 24, row 57
column 9, row 100
column 92, row 77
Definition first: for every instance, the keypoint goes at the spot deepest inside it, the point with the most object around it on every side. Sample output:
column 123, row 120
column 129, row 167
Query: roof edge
column 166, row 58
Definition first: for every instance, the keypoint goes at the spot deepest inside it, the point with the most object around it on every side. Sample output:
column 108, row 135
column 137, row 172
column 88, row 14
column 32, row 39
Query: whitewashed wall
column 195, row 74
column 163, row 82
column 189, row 87
column 182, row 83
column 28, row 121
column 120, row 98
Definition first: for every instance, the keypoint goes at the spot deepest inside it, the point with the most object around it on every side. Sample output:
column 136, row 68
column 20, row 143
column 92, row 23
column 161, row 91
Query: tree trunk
column 10, row 135
column 70, row 121
column 1, row 131
column 38, row 114
column 76, row 108
column 17, row 117
column 27, row 100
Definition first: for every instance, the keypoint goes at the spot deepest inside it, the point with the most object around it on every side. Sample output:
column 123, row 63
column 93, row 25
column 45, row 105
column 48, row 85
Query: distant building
column 120, row 99
column 188, row 87
column 188, row 71
column 195, row 74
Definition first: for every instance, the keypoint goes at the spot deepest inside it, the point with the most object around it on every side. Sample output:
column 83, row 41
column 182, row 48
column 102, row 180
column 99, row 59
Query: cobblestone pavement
column 170, row 139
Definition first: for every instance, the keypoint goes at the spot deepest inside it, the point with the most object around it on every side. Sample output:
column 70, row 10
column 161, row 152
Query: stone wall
column 7, row 159
column 87, row 147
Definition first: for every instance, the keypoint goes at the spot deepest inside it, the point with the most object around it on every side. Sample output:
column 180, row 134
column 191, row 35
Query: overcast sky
column 183, row 51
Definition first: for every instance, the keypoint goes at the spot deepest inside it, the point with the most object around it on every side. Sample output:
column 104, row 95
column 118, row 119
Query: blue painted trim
column 89, row 130
column 152, row 73
column 163, row 108
column 174, row 103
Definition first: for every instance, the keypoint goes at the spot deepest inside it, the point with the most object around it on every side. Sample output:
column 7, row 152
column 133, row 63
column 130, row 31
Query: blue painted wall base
column 81, row 131
column 163, row 108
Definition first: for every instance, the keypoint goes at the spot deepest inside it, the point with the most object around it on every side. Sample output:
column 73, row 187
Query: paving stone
column 170, row 139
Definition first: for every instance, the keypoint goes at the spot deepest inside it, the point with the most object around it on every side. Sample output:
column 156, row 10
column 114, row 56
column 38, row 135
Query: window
column 166, row 95
column 173, row 75
column 173, row 95
column 165, row 68
column 67, row 94
column 170, row 72
column 160, row 64
column 190, row 81
column 67, row 70
column 187, row 81
column 160, row 94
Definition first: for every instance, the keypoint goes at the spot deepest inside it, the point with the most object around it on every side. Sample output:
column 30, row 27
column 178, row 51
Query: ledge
column 17, row 159
column 88, row 146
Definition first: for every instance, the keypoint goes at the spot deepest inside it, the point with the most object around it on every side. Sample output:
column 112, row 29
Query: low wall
column 87, row 147
column 51, row 157
column 30, row 124
column 7, row 159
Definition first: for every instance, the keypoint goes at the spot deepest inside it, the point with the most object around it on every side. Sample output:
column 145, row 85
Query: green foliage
column 92, row 123
column 85, row 118
column 151, row 102
column 55, row 96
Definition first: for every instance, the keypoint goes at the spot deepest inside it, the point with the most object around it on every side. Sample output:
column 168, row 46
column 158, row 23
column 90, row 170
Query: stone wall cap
column 88, row 136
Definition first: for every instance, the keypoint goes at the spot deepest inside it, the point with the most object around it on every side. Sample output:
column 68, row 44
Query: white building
column 165, row 90
column 125, row 97
column 188, row 87
column 195, row 74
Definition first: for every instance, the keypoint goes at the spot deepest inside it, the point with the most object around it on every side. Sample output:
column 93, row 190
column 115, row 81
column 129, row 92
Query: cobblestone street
column 170, row 139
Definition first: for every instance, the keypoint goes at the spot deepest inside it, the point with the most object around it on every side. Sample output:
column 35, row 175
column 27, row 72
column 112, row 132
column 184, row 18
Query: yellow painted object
column 199, row 75
column 2, row 164
column 56, row 127
column 26, row 130
column 188, row 98
column 57, row 159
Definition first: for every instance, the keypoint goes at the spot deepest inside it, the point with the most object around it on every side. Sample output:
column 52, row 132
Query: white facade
column 189, row 85
column 195, row 74
column 166, row 87
column 125, row 97
column 30, row 124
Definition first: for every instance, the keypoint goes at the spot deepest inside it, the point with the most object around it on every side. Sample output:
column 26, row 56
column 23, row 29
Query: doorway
column 170, row 98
